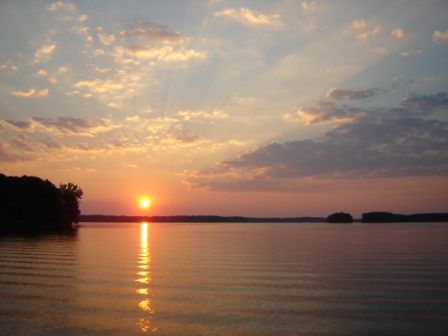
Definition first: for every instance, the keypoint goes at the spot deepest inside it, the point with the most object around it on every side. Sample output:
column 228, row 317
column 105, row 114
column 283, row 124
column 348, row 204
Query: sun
column 145, row 203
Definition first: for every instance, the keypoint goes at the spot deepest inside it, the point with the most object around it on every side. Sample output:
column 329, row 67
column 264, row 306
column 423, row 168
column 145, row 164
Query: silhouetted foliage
column 378, row 217
column 71, row 195
column 340, row 217
column 29, row 203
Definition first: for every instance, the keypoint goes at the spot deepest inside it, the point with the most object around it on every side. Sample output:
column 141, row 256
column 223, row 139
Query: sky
column 251, row 108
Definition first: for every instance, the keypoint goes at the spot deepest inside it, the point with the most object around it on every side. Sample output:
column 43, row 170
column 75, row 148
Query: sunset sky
column 251, row 108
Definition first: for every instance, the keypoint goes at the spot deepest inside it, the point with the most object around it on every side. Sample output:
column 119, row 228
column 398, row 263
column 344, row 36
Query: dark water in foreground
column 227, row 279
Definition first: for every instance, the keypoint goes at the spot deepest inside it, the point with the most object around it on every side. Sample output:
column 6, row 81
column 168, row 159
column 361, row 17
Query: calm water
column 227, row 279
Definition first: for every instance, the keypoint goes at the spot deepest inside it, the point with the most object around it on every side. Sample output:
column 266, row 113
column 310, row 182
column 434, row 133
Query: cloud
column 340, row 94
column 21, row 125
column 367, row 34
column 193, row 115
column 359, row 23
column 407, row 53
column 82, row 17
column 165, row 53
column 44, row 53
column 105, row 38
column 61, row 5
column 380, row 148
column 9, row 67
column 147, row 51
column 99, row 52
column 308, row 7
column 438, row 35
column 325, row 112
column 80, row 30
column 42, row 93
column 98, row 85
column 42, row 72
column 379, row 50
column 6, row 155
column 187, row 138
column 248, row 16
column 154, row 32
column 74, row 126
column 135, row 118
column 24, row 93
column 398, row 32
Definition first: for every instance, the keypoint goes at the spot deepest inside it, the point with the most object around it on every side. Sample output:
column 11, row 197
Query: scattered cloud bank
column 372, row 143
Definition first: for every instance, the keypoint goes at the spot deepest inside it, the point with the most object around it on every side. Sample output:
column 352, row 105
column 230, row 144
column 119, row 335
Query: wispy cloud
column 24, row 93
column 340, row 94
column 248, row 16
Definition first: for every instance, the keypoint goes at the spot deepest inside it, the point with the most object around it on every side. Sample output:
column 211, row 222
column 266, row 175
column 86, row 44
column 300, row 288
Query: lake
column 227, row 279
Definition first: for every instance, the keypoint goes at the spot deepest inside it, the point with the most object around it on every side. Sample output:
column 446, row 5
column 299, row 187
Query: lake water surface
column 227, row 279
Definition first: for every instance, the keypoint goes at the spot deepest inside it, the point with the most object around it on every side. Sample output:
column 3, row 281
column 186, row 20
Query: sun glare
column 145, row 203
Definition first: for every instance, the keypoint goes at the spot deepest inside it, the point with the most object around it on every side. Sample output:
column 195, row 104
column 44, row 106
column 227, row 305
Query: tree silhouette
column 71, row 195
column 29, row 203
column 340, row 217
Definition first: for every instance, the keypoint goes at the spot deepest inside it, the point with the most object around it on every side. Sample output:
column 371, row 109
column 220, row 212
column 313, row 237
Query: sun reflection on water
column 144, row 266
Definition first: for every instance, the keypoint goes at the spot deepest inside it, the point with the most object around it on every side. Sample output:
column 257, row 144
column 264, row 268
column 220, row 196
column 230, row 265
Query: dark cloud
column 74, row 126
column 187, row 138
column 326, row 112
column 51, row 144
column 20, row 124
column 378, row 143
column 339, row 94
column 427, row 104
column 153, row 32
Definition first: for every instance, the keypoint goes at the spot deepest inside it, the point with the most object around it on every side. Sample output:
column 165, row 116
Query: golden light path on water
column 144, row 268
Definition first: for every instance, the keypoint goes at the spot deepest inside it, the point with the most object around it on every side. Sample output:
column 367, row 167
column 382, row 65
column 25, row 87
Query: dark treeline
column 194, row 219
column 30, row 204
column 286, row 220
column 389, row 217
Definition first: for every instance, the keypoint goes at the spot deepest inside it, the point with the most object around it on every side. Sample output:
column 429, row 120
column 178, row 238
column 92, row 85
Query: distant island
column 31, row 204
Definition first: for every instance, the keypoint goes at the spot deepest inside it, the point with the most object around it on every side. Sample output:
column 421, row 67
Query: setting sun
column 145, row 203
